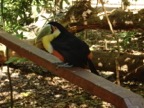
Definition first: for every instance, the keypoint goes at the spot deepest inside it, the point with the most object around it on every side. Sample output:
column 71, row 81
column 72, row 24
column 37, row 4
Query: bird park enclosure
column 96, row 85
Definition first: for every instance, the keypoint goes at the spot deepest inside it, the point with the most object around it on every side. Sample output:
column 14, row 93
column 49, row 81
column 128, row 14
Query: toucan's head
column 58, row 26
column 50, row 28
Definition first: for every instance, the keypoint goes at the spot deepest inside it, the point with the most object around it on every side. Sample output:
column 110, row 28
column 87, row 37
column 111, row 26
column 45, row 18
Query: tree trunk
column 83, row 16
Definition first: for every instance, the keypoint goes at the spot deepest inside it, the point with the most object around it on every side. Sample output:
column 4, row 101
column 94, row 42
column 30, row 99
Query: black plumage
column 74, row 50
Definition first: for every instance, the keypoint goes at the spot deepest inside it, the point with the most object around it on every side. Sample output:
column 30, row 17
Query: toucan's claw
column 66, row 65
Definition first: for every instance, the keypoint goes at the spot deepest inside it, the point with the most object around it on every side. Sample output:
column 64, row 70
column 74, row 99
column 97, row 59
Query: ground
column 31, row 90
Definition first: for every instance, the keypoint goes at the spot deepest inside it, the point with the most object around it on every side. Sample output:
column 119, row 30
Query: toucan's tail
column 92, row 67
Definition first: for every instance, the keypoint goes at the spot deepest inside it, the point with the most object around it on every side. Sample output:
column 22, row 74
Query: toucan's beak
column 46, row 30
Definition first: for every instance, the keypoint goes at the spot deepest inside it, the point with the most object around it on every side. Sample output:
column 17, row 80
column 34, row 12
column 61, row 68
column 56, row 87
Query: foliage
column 16, row 60
column 131, row 40
column 16, row 14
column 127, row 37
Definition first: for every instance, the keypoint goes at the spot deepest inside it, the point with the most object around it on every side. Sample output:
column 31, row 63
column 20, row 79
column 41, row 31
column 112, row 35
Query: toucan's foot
column 66, row 65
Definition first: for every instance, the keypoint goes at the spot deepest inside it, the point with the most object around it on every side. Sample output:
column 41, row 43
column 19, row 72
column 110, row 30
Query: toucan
column 58, row 41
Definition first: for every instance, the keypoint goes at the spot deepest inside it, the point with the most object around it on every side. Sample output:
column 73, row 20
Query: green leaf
column 20, row 60
column 16, row 60
column 12, row 60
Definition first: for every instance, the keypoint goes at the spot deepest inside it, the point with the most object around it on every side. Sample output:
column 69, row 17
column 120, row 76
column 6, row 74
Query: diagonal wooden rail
column 96, row 85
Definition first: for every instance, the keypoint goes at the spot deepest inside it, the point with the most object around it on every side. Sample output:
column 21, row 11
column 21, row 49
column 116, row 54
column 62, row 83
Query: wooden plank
column 96, row 85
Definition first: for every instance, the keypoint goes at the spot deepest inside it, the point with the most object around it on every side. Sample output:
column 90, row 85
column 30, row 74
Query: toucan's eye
column 52, row 29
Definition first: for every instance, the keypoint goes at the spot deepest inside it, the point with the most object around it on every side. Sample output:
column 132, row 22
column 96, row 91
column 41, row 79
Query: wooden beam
column 96, row 85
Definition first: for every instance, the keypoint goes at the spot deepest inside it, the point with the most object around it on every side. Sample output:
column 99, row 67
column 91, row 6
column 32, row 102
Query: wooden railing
column 96, row 85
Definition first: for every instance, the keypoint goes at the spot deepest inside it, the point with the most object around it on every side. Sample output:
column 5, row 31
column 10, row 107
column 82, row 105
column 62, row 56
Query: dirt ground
column 31, row 90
